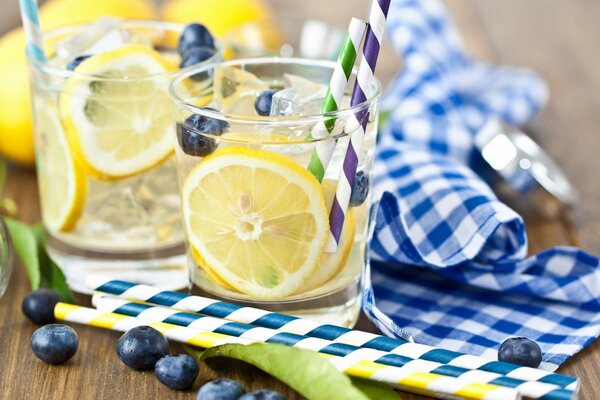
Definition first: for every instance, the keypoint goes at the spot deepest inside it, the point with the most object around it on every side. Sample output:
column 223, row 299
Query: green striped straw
column 33, row 32
column 333, row 99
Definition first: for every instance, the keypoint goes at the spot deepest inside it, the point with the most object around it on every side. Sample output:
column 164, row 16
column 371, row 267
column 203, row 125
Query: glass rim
column 134, row 23
column 267, row 120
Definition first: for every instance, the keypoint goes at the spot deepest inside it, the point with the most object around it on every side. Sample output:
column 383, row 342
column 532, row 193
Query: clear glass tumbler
column 256, row 217
column 104, row 149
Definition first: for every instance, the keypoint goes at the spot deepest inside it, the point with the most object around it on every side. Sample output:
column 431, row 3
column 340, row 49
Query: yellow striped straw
column 434, row 385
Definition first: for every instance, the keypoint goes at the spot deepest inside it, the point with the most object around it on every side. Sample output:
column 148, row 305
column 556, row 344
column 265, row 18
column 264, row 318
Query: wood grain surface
column 557, row 38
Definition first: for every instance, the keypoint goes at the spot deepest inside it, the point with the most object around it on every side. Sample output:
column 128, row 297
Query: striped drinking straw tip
column 402, row 378
column 356, row 125
column 145, row 311
column 333, row 98
column 453, row 362
column 33, row 32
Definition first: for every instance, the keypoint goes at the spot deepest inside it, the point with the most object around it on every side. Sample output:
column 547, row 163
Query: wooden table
column 557, row 38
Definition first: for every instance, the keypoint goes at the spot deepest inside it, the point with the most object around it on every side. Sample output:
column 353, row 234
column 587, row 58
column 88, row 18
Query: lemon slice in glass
column 63, row 185
column 257, row 219
column 120, row 124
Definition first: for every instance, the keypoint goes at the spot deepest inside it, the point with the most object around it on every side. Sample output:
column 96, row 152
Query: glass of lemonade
column 256, row 219
column 104, row 148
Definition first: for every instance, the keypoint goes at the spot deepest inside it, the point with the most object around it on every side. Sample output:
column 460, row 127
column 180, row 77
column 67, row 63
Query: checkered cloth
column 449, row 259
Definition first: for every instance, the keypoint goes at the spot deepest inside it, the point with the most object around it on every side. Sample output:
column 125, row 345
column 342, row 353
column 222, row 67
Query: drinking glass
column 106, row 171
column 256, row 218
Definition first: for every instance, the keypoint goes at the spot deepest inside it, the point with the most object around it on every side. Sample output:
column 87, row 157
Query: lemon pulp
column 257, row 219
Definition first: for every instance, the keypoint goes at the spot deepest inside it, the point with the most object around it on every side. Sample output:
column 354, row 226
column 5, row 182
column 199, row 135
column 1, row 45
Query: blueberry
column 195, row 35
column 520, row 351
column 74, row 63
column 190, row 134
column 262, row 105
column 264, row 394
column 54, row 343
column 360, row 189
column 221, row 389
column 142, row 347
column 196, row 55
column 38, row 305
column 177, row 371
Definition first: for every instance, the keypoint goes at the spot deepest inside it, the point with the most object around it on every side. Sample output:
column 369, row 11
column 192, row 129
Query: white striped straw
column 333, row 99
column 363, row 90
column 455, row 363
column 153, row 313
column 33, row 32
column 402, row 378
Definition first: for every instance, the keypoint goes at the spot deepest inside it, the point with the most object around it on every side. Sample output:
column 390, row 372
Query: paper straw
column 33, row 32
column 402, row 378
column 357, row 124
column 333, row 99
column 151, row 313
column 288, row 323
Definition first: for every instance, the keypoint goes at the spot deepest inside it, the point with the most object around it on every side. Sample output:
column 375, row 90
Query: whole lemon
column 16, row 135
column 219, row 16
column 16, row 138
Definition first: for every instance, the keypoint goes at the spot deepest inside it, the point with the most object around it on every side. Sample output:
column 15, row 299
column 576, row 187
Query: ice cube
column 302, row 97
column 87, row 39
column 236, row 90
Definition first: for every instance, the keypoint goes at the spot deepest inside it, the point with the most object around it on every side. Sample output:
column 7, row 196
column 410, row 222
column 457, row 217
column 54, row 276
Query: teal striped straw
column 33, row 32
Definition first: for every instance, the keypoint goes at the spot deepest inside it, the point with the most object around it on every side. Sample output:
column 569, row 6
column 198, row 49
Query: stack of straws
column 411, row 367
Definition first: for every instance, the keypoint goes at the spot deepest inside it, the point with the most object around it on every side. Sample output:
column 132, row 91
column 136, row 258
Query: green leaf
column 375, row 390
column 28, row 242
column 305, row 371
column 26, row 247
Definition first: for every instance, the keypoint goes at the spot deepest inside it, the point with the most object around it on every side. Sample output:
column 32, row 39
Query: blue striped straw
column 341, row 335
column 33, row 32
column 529, row 390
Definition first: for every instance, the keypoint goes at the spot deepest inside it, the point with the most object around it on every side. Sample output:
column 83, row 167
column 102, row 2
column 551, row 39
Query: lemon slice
column 62, row 184
column 257, row 219
column 119, row 127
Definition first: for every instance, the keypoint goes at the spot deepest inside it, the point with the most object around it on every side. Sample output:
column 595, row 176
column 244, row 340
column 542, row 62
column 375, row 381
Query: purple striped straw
column 363, row 90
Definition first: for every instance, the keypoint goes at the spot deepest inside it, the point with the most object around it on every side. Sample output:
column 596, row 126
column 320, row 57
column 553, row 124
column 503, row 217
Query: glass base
column 341, row 307
column 164, row 267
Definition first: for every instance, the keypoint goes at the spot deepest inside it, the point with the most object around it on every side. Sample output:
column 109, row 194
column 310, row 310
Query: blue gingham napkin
column 449, row 260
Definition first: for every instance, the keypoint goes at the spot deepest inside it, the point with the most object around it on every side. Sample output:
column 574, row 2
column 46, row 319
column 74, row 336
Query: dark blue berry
column 177, row 371
column 74, row 63
column 196, row 55
column 264, row 394
column 191, row 138
column 195, row 35
column 142, row 347
column 520, row 351
column 38, row 305
column 263, row 102
column 54, row 343
column 360, row 189
column 221, row 389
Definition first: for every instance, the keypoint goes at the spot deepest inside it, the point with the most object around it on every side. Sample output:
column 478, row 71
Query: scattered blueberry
column 74, row 63
column 190, row 134
column 38, row 305
column 263, row 102
column 360, row 189
column 196, row 55
column 177, row 371
column 221, row 389
column 264, row 394
column 520, row 351
column 54, row 343
column 195, row 35
column 142, row 347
